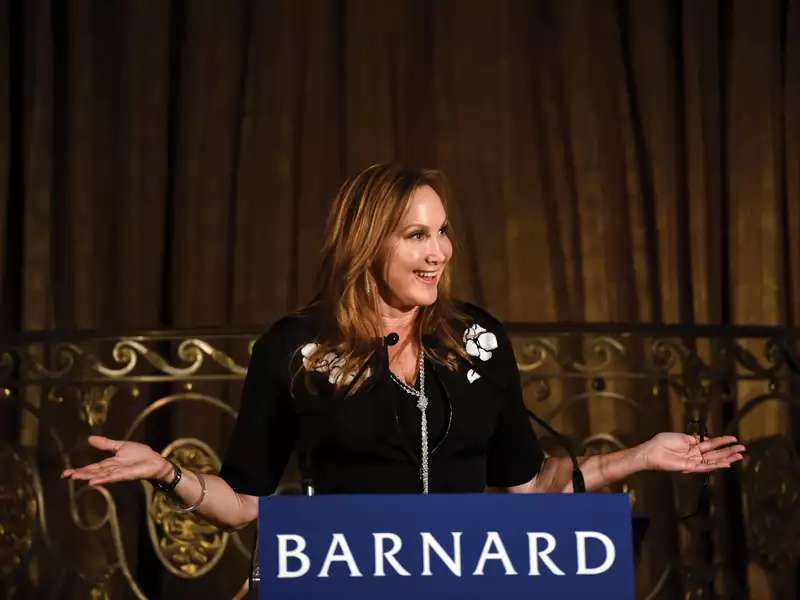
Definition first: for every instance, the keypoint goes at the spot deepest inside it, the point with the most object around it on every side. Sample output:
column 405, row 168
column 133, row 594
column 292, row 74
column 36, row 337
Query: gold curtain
column 622, row 161
column 170, row 163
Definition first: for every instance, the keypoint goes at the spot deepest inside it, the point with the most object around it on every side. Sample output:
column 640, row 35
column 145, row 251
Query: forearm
column 555, row 475
column 601, row 470
column 221, row 506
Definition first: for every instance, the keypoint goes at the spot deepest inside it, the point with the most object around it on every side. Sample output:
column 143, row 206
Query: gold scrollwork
column 64, row 357
column 666, row 352
column 99, row 591
column 94, row 404
column 187, row 546
column 18, row 510
column 194, row 346
column 535, row 353
column 747, row 359
column 599, row 352
column 70, row 360
column 541, row 388
column 190, row 350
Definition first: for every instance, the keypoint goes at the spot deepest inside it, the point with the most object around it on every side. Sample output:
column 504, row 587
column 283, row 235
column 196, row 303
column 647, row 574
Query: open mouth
column 427, row 276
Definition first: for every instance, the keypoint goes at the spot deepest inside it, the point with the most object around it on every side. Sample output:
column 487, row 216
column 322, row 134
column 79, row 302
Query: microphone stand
column 578, row 484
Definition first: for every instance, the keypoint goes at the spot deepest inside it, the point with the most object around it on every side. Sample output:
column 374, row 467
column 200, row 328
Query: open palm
column 130, row 461
column 687, row 454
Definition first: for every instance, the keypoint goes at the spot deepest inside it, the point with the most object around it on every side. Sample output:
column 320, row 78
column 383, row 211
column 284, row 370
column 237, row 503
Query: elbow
column 247, row 511
column 244, row 513
column 528, row 487
column 553, row 477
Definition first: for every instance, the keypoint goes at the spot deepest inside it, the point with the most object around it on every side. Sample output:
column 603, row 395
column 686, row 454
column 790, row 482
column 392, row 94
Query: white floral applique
column 478, row 343
column 330, row 364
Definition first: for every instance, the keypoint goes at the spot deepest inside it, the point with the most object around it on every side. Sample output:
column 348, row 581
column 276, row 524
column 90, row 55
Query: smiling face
column 416, row 253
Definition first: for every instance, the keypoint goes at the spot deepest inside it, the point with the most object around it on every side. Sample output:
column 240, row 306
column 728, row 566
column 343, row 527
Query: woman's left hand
column 687, row 454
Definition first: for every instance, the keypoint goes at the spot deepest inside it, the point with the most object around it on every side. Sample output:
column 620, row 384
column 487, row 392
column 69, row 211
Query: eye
column 445, row 230
column 417, row 235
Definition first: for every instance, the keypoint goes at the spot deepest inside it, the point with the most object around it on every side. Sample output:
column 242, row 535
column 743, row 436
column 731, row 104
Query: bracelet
column 187, row 509
column 169, row 487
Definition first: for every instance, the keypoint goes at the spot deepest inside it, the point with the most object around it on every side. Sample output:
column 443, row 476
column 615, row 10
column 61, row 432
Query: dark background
column 170, row 163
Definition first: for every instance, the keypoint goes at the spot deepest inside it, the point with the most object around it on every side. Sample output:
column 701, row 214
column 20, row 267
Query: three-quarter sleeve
column 514, row 455
column 265, row 430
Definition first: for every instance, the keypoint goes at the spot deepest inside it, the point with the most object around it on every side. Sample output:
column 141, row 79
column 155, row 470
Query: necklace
column 422, row 405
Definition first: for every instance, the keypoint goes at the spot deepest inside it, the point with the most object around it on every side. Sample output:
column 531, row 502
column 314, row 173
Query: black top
column 369, row 443
column 437, row 413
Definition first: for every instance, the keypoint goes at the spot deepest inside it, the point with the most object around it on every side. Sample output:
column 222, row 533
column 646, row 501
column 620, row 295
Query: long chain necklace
column 422, row 405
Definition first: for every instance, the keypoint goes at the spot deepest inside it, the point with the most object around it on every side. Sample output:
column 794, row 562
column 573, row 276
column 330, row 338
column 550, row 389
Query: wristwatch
column 168, row 487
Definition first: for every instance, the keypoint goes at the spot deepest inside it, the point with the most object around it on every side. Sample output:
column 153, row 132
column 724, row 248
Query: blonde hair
column 366, row 210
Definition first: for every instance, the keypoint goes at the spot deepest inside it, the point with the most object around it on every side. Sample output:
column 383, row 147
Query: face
column 417, row 252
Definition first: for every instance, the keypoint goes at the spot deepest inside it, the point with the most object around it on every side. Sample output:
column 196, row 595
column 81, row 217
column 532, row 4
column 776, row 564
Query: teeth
column 426, row 274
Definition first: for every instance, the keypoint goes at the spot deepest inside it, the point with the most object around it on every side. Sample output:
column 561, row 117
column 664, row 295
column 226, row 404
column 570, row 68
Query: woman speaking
column 384, row 384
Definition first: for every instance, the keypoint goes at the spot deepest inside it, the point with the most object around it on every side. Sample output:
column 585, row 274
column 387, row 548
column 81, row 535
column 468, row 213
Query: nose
column 435, row 255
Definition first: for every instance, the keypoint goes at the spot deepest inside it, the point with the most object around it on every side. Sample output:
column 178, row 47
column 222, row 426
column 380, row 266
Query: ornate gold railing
column 605, row 386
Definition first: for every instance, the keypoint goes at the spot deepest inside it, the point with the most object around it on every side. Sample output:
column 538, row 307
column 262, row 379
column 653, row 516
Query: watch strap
column 169, row 487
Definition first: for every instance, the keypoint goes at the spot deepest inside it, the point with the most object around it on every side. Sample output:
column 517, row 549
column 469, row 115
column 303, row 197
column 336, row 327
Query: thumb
column 104, row 443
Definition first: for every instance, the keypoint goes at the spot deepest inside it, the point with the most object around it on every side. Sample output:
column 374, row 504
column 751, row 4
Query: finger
column 693, row 440
column 112, row 478
column 89, row 473
column 73, row 473
column 93, row 467
column 114, row 475
column 104, row 443
column 723, row 453
column 710, row 466
column 717, row 442
column 696, row 462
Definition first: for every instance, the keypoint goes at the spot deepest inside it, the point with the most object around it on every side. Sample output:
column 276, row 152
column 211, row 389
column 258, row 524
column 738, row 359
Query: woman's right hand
column 131, row 461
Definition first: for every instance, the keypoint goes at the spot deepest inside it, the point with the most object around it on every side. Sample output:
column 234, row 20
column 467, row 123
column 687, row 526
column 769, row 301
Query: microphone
column 428, row 340
column 578, row 484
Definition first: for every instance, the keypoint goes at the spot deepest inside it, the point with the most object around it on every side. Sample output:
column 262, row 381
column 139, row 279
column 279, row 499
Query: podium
column 445, row 546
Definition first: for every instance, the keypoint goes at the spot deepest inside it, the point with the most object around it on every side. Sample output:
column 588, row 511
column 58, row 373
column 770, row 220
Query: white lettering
column 297, row 552
column 293, row 562
column 430, row 543
column 493, row 540
column 611, row 553
column 339, row 543
column 543, row 555
column 381, row 553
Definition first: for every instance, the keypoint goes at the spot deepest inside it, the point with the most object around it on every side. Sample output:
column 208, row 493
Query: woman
column 383, row 384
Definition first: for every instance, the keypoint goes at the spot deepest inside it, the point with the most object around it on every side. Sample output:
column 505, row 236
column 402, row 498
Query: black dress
column 479, row 433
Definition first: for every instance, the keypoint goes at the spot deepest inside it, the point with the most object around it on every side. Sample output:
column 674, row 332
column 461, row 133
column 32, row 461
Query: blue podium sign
column 446, row 546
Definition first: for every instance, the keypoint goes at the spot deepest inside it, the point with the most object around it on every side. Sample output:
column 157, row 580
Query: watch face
column 169, row 487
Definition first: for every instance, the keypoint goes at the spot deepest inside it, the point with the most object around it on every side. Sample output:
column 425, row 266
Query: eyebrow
column 423, row 226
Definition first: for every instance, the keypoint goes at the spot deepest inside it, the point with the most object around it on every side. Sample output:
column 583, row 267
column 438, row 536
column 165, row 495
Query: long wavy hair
column 366, row 210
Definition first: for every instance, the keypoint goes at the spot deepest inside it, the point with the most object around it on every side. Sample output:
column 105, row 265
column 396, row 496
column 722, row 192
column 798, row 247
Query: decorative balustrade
column 606, row 387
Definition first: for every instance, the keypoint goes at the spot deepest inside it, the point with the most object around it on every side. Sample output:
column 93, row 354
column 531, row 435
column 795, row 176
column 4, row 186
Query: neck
column 397, row 320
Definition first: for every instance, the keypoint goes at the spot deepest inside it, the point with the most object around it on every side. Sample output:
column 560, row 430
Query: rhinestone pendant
column 422, row 403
